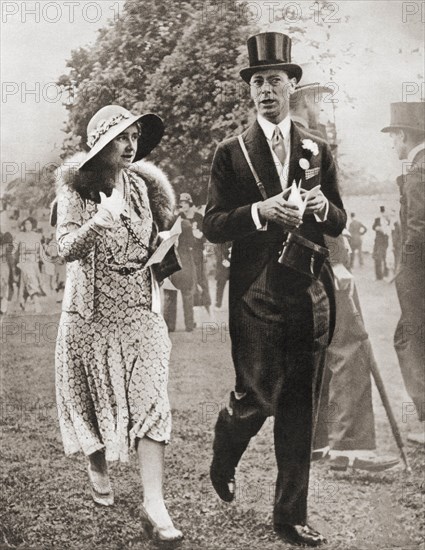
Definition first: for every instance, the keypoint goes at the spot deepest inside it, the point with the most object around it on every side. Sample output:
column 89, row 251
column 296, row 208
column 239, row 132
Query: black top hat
column 270, row 50
column 408, row 115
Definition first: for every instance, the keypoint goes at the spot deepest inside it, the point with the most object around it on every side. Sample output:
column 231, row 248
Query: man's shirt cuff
column 256, row 218
column 323, row 216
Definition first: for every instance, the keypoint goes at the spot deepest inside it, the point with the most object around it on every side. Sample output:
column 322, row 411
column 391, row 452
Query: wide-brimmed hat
column 110, row 121
column 314, row 79
column 409, row 116
column 270, row 50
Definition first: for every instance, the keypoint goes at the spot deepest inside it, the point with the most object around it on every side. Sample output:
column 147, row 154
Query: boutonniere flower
column 311, row 146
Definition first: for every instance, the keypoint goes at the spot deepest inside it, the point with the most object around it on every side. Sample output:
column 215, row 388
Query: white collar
column 412, row 154
column 268, row 127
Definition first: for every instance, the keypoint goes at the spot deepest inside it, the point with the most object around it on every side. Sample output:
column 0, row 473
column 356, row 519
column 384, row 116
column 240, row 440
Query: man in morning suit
column 280, row 320
column 407, row 130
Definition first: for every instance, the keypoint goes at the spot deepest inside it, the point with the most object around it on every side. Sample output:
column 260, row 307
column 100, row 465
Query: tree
column 118, row 66
column 35, row 191
column 198, row 91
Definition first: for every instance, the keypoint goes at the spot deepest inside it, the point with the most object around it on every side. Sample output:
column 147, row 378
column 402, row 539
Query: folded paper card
column 297, row 199
column 169, row 238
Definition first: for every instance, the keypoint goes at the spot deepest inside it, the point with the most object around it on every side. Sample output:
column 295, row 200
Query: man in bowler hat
column 407, row 130
column 280, row 319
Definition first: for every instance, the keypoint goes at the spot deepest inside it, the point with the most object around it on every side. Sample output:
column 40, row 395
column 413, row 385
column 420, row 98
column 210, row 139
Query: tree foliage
column 198, row 91
column 117, row 67
column 34, row 191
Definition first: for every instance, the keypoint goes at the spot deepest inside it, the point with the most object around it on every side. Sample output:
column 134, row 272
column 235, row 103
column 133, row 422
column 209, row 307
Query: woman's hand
column 109, row 209
column 114, row 204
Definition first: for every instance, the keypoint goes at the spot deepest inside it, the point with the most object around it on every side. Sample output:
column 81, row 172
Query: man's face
column 399, row 143
column 270, row 90
column 184, row 206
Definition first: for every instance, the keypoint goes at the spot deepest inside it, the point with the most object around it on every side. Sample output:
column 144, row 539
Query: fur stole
column 161, row 194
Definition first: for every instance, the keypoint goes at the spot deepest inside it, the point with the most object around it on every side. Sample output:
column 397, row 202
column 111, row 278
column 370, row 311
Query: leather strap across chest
column 251, row 166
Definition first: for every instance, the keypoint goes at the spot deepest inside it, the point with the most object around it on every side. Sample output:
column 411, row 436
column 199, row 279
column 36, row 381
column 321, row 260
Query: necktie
column 278, row 145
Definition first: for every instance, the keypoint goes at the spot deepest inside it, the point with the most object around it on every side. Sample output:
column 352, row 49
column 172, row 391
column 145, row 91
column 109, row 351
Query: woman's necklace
column 111, row 258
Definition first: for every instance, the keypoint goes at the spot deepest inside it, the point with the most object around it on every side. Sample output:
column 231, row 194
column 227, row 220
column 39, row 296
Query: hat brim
column 315, row 86
column 152, row 130
column 291, row 69
column 388, row 129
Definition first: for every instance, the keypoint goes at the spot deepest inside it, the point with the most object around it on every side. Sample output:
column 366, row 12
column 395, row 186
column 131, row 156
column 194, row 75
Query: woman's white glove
column 109, row 209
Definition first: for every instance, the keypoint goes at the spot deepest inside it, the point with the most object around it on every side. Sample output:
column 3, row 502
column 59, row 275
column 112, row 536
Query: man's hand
column 277, row 209
column 315, row 204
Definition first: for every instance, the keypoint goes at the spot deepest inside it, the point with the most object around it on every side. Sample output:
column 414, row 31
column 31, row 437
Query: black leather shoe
column 300, row 535
column 225, row 486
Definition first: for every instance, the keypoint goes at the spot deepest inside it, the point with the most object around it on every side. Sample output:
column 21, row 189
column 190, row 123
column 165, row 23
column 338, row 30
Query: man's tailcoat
column 280, row 321
column 232, row 192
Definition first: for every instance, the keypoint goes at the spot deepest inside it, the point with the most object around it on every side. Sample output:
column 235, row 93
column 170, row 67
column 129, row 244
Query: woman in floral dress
column 113, row 350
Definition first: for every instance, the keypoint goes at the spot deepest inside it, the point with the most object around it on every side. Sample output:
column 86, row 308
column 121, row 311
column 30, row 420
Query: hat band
column 265, row 62
column 102, row 128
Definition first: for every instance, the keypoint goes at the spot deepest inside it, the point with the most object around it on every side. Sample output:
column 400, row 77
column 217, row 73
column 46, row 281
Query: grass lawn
column 45, row 500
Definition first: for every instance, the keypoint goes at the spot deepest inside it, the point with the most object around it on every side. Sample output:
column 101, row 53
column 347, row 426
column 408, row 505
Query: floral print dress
column 112, row 368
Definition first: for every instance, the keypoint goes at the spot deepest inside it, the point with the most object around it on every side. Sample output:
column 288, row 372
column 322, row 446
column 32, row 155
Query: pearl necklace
column 111, row 258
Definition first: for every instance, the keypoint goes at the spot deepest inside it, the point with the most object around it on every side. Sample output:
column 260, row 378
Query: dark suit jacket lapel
column 261, row 158
column 297, row 152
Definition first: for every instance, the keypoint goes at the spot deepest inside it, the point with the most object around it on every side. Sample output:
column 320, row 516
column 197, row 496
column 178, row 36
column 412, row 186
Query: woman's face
column 27, row 226
column 121, row 151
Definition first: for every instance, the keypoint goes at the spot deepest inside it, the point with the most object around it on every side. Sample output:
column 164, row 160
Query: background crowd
column 32, row 273
column 31, row 270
